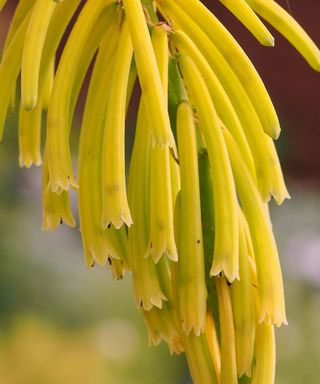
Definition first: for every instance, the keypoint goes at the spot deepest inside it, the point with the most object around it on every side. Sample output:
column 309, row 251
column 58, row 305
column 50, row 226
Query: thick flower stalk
column 191, row 221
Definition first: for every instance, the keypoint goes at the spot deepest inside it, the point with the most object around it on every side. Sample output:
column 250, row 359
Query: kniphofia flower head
column 190, row 222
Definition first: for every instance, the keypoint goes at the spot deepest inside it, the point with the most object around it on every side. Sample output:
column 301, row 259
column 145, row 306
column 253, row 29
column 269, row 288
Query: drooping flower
column 191, row 221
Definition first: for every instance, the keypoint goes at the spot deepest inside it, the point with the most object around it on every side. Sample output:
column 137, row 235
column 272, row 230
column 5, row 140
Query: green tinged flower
column 192, row 222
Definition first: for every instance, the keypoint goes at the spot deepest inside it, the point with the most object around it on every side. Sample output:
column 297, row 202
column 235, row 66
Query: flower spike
column 191, row 221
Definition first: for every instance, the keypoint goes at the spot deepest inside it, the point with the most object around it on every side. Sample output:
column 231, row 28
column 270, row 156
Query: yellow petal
column 270, row 286
column 192, row 292
column 225, row 200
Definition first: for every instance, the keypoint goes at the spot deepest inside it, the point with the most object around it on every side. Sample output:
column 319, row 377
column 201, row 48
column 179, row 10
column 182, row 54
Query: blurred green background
column 61, row 323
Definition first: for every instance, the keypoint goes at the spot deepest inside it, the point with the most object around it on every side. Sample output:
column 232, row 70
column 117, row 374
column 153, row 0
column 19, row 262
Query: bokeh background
column 61, row 323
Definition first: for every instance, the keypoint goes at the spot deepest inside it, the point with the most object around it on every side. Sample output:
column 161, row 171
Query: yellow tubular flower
column 162, row 326
column 161, row 240
column 207, row 218
column 48, row 84
column 148, row 73
column 192, row 293
column 199, row 359
column 234, row 56
column 166, row 273
column 248, row 18
column 97, row 34
column 59, row 22
column 243, row 307
column 265, row 354
column 21, row 11
column 56, row 208
column 225, row 201
column 30, row 136
column 278, row 187
column 159, row 39
column 213, row 343
column 2, row 4
column 275, row 15
column 9, row 70
column 197, row 348
column 96, row 242
column 32, row 51
column 117, row 268
column 59, row 158
column 227, row 334
column 148, row 292
column 270, row 287
column 175, row 179
column 115, row 208
column 219, row 96
column 265, row 162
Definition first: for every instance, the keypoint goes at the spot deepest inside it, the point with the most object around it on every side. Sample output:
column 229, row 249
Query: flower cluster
column 191, row 221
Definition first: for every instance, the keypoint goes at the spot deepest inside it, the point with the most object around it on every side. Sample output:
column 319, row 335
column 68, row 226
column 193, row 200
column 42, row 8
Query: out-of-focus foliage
column 59, row 322
column 34, row 351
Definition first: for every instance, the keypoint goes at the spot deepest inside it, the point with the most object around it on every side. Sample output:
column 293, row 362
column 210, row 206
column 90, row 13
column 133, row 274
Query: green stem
column 150, row 9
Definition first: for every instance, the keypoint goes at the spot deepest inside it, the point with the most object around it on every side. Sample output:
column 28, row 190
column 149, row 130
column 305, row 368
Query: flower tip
column 172, row 254
column 126, row 219
column 155, row 300
column 273, row 316
column 162, row 142
column 156, row 255
column 73, row 183
column 28, row 104
column 58, row 185
column 316, row 67
column 193, row 325
column 234, row 276
column 158, row 252
column 276, row 132
column 280, row 198
column 25, row 162
column 47, row 226
column 230, row 273
column 215, row 271
column 269, row 42
column 28, row 160
column 116, row 221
